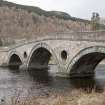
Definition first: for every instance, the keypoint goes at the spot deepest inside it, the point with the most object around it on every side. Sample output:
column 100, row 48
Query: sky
column 76, row 8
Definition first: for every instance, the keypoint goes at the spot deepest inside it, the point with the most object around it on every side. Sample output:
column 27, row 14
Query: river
column 40, row 83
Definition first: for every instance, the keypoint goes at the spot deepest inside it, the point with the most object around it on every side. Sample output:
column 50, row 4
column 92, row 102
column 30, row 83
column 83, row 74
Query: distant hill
column 39, row 11
column 28, row 22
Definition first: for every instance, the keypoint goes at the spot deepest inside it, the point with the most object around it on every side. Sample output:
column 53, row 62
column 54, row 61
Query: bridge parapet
column 97, row 36
column 89, row 36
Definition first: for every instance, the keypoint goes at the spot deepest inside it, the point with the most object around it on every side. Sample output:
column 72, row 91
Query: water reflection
column 40, row 82
column 40, row 75
column 14, row 70
column 87, row 84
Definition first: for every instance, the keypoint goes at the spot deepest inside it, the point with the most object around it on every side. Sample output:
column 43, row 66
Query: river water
column 41, row 83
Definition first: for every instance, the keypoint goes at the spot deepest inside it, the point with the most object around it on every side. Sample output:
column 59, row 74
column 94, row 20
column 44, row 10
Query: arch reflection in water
column 87, row 84
column 64, row 84
column 40, row 81
column 40, row 75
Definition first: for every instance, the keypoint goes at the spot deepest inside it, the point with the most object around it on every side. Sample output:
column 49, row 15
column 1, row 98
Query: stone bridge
column 75, row 54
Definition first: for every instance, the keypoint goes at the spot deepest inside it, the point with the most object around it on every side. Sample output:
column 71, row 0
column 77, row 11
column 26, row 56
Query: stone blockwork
column 76, row 54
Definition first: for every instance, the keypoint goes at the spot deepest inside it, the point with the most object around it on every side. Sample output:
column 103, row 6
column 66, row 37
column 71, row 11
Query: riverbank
column 76, row 97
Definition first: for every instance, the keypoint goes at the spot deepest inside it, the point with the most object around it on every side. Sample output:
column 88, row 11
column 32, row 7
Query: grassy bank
column 76, row 97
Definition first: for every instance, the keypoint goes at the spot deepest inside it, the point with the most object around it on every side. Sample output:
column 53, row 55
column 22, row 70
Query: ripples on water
column 40, row 83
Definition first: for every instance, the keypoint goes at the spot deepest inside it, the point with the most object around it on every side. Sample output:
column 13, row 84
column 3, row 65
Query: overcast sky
column 76, row 8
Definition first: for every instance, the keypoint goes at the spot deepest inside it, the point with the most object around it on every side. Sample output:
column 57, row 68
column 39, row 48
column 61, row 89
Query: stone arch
column 85, row 62
column 45, row 52
column 14, row 60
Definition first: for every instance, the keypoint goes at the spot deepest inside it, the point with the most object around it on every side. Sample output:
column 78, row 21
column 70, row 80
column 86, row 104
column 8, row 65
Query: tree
column 95, row 21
